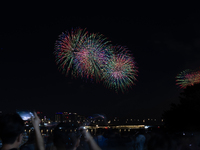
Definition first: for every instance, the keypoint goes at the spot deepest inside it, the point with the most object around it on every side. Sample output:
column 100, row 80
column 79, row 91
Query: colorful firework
column 92, row 56
column 188, row 78
column 66, row 47
column 120, row 71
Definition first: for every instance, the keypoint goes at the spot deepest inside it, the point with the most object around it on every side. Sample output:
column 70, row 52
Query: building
column 59, row 117
column 68, row 117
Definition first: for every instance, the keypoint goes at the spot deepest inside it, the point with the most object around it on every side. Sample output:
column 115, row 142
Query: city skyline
column 163, row 44
column 64, row 117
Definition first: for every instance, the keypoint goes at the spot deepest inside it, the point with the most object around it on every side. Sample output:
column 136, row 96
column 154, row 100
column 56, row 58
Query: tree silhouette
column 185, row 115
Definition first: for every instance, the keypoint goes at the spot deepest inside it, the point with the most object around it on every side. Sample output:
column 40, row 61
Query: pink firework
column 188, row 78
column 91, row 56
column 120, row 71
column 67, row 46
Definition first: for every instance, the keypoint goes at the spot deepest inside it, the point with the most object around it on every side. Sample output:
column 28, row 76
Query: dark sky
column 163, row 43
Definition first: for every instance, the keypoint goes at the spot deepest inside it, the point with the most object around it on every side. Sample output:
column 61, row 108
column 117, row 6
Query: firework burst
column 120, row 71
column 92, row 56
column 66, row 47
column 188, row 78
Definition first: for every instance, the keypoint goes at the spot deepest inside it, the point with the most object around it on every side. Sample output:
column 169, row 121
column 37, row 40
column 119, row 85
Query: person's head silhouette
column 11, row 130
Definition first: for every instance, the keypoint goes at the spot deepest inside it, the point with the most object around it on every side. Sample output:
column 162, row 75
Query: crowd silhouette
column 70, row 136
column 180, row 132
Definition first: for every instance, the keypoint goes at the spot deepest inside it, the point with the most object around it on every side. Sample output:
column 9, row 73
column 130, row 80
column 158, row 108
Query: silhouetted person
column 161, row 142
column 139, row 142
column 12, row 129
column 101, row 140
column 30, row 144
column 67, row 137
column 89, row 139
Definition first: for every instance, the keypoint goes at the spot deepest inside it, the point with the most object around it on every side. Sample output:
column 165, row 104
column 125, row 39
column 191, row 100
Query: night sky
column 163, row 43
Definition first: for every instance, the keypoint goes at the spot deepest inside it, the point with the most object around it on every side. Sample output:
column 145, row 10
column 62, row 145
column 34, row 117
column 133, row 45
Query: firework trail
column 188, row 78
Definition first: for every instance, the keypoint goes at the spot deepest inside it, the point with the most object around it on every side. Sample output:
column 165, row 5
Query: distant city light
column 59, row 113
